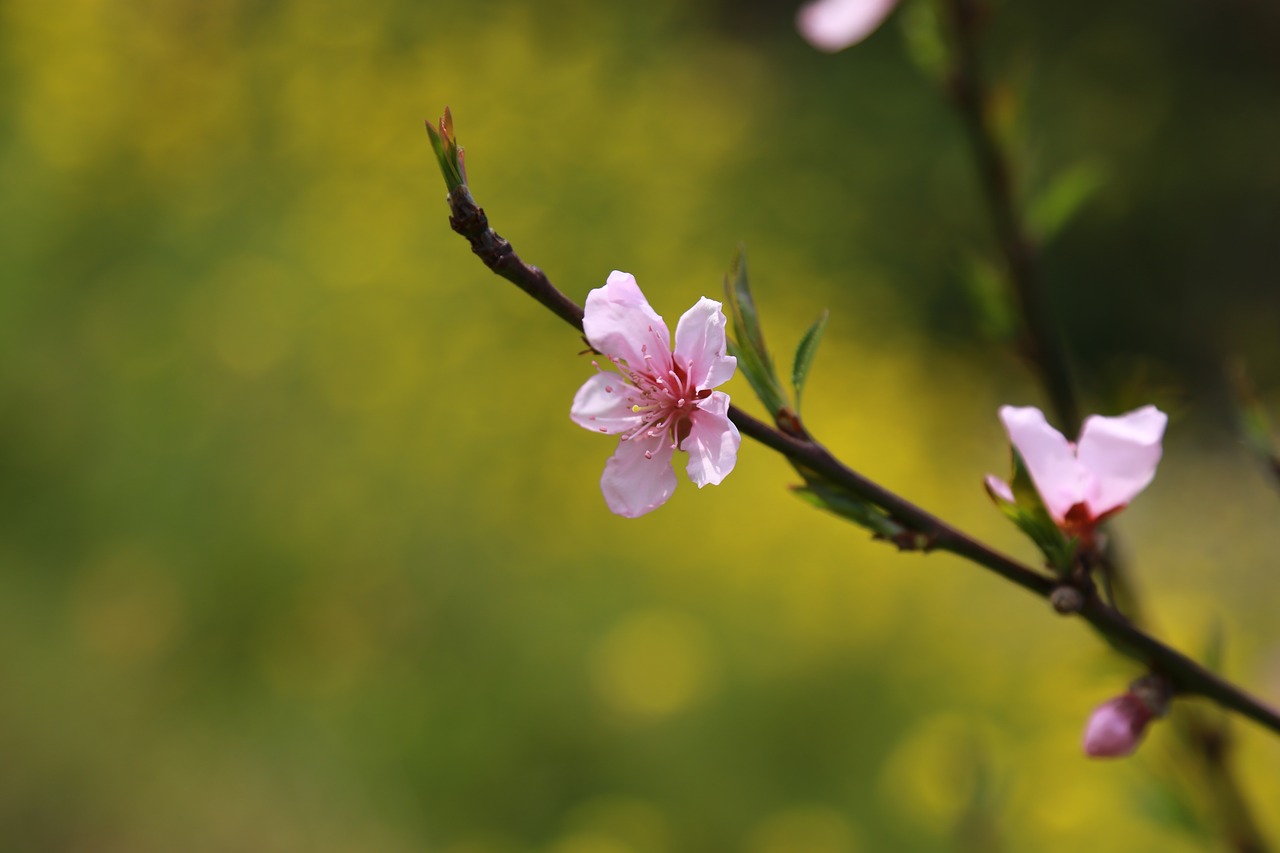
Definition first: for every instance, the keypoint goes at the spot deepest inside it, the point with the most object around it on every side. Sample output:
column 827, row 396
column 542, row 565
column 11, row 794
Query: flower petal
column 1049, row 457
column 619, row 322
column 603, row 404
column 1116, row 727
column 633, row 484
column 712, row 442
column 999, row 490
column 833, row 25
column 700, row 345
column 1121, row 454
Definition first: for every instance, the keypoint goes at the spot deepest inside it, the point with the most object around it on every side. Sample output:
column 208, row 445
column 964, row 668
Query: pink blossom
column 833, row 25
column 1081, row 483
column 659, row 400
column 1116, row 727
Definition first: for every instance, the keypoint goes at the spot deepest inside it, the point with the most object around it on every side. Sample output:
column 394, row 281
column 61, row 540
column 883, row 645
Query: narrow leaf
column 988, row 293
column 750, row 348
column 1033, row 519
column 738, row 289
column 758, row 377
column 805, row 353
column 448, row 154
column 1255, row 423
column 446, row 126
column 1051, row 210
column 923, row 33
column 854, row 509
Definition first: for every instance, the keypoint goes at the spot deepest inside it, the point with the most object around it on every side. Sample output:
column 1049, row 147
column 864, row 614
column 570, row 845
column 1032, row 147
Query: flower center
column 664, row 400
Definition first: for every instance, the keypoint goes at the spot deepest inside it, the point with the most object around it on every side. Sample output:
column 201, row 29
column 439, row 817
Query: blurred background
column 299, row 549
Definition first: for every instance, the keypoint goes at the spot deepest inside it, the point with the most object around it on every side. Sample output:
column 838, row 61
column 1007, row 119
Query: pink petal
column 700, row 345
column 619, row 322
column 999, row 489
column 1116, row 727
column 712, row 442
column 633, row 484
column 1121, row 455
column 833, row 25
column 1050, row 459
column 603, row 404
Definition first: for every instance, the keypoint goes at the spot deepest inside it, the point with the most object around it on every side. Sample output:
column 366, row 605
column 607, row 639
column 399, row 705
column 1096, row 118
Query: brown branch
column 1187, row 676
column 468, row 219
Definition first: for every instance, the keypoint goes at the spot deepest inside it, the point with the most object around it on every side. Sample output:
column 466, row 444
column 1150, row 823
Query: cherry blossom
column 659, row 400
column 1080, row 483
column 833, row 25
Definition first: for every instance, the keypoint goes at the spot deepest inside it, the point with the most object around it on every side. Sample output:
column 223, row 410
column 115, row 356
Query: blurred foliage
column 300, row 551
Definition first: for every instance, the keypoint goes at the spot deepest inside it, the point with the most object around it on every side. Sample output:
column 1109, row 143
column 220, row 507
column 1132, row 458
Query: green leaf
column 988, row 293
column 1028, row 512
column 448, row 155
column 746, row 320
column 845, row 505
column 758, row 377
column 805, row 353
column 747, row 344
column 1256, row 425
column 1257, row 429
column 1059, row 202
column 925, row 42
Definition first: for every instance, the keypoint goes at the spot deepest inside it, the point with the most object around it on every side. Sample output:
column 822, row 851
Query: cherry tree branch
column 1187, row 677
column 1040, row 341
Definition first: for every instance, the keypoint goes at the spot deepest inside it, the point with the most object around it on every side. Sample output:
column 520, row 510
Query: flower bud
column 1116, row 727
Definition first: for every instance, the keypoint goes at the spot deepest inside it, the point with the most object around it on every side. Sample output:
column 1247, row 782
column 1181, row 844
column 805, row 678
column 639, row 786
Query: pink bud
column 1116, row 727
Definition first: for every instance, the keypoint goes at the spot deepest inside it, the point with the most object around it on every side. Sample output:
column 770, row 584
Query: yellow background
column 300, row 550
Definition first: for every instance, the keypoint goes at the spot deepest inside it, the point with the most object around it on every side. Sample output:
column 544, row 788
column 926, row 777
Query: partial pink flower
column 833, row 25
column 1116, row 727
column 660, row 399
column 1081, row 483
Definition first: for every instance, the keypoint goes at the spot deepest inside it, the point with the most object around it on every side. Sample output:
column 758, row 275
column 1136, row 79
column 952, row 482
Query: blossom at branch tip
column 833, row 25
column 660, row 399
column 1080, row 483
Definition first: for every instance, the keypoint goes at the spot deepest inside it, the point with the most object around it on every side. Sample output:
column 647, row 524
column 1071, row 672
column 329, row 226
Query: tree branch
column 1187, row 676
column 1040, row 341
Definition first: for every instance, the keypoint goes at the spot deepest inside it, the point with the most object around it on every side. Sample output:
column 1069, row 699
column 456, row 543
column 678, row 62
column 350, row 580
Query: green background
column 299, row 549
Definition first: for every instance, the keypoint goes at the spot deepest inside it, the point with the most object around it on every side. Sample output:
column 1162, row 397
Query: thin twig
column 1040, row 341
column 1187, row 676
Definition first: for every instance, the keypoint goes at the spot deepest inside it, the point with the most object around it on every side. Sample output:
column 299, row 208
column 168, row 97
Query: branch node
column 1066, row 600
column 913, row 540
